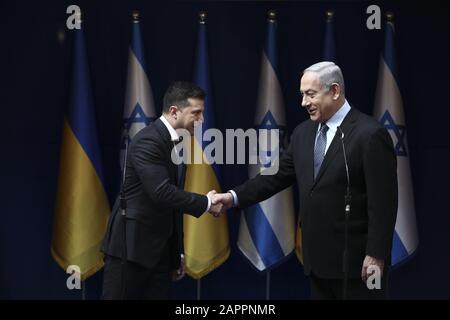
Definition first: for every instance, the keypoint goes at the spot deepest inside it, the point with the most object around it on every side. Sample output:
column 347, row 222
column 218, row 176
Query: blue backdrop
column 34, row 81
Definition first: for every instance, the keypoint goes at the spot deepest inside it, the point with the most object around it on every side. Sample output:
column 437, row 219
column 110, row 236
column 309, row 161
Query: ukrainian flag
column 82, row 207
column 206, row 243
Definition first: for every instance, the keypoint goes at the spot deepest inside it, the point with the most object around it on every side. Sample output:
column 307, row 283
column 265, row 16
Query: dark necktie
column 180, row 165
column 319, row 148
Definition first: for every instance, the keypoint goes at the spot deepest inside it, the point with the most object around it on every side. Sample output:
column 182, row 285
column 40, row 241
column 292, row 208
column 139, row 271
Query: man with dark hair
column 178, row 91
column 144, row 249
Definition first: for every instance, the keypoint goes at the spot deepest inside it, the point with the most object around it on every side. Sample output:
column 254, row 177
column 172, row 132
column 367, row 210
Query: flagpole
column 198, row 289
column 202, row 20
column 390, row 16
column 268, row 285
column 135, row 16
column 83, row 290
column 329, row 49
column 329, row 15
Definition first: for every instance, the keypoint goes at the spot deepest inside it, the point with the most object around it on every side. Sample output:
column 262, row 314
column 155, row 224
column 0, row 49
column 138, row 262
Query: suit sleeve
column 262, row 187
column 380, row 171
column 147, row 157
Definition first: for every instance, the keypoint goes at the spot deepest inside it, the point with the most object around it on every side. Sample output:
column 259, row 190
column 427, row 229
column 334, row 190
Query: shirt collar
column 173, row 134
column 336, row 120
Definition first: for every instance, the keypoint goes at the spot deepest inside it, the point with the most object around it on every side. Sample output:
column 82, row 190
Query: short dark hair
column 178, row 94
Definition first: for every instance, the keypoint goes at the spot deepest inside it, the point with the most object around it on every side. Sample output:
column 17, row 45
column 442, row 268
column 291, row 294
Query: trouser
column 137, row 282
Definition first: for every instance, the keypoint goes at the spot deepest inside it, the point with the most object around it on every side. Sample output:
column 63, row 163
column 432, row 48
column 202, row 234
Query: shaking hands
column 220, row 202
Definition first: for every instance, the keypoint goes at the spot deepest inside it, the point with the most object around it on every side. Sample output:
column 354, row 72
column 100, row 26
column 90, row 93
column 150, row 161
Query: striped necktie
column 319, row 148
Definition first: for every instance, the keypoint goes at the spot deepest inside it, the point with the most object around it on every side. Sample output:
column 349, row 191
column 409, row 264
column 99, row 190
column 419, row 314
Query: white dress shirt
column 175, row 137
column 334, row 122
column 173, row 133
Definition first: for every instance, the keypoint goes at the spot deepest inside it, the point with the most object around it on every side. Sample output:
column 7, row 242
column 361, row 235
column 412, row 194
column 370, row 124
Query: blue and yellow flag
column 206, row 242
column 82, row 207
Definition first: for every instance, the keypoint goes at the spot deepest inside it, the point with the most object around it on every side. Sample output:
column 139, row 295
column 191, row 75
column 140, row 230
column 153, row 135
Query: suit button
column 311, row 193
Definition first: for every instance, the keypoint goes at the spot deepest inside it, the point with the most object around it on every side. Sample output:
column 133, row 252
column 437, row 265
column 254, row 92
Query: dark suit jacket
column 373, row 184
column 155, row 201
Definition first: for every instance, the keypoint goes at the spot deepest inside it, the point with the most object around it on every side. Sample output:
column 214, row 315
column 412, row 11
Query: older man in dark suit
column 315, row 159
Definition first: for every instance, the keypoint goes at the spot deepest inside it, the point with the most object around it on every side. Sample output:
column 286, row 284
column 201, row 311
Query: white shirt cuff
column 209, row 203
column 235, row 198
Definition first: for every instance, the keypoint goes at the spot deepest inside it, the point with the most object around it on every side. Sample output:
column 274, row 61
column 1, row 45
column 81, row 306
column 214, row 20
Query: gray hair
column 328, row 73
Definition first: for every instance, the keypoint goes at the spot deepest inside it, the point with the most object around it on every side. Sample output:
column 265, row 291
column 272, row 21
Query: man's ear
column 173, row 112
column 335, row 90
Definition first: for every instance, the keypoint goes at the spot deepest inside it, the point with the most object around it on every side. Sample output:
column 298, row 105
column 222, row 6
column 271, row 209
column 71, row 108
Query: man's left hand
column 180, row 272
column 371, row 261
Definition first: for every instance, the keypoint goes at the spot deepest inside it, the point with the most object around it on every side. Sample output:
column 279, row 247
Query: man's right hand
column 216, row 208
column 225, row 198
column 220, row 202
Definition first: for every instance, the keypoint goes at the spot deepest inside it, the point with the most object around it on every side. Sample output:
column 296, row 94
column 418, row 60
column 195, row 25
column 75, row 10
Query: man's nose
column 304, row 102
column 201, row 117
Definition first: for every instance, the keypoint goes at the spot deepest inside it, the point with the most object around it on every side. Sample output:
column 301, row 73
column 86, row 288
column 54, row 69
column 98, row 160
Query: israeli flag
column 267, row 229
column 389, row 111
column 139, row 108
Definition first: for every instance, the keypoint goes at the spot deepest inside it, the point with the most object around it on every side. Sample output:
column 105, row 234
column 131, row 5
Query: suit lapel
column 347, row 127
column 181, row 171
column 175, row 169
column 310, row 142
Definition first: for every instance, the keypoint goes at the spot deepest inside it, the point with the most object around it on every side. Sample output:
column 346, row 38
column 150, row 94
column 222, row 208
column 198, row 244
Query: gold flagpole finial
column 78, row 17
column 202, row 17
column 272, row 15
column 390, row 16
column 135, row 15
column 330, row 15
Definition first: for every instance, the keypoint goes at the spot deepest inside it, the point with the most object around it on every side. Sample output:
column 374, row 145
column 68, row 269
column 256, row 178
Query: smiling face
column 319, row 102
column 188, row 116
column 183, row 105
